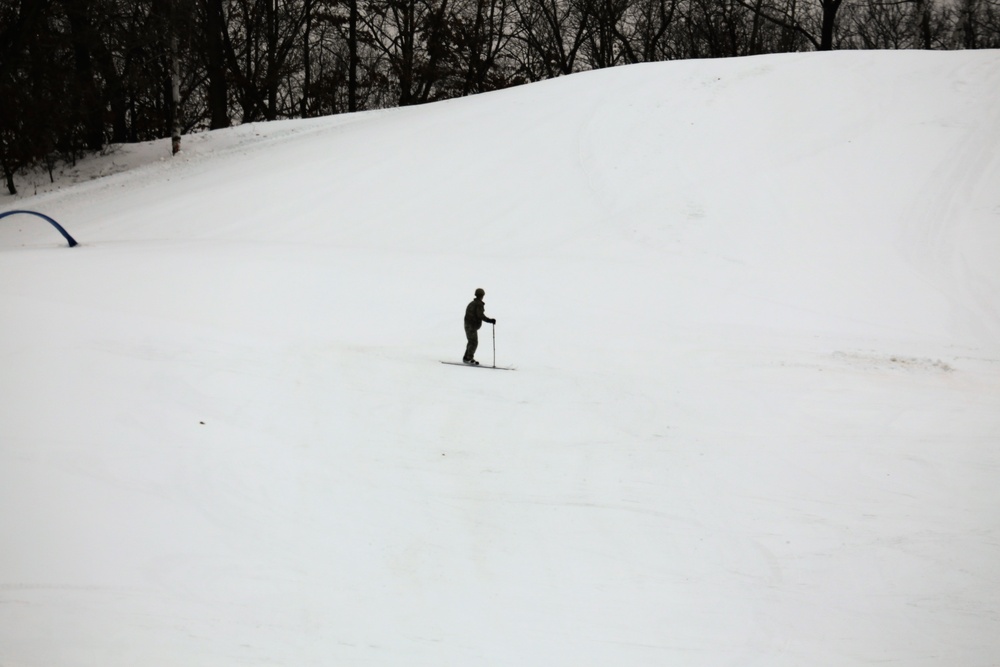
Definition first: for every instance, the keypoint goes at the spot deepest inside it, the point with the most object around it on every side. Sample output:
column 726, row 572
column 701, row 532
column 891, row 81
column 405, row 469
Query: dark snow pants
column 473, row 337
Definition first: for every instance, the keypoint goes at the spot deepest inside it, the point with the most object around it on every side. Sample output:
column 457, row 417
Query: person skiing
column 475, row 315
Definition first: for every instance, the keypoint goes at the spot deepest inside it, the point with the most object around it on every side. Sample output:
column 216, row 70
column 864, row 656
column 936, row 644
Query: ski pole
column 494, row 345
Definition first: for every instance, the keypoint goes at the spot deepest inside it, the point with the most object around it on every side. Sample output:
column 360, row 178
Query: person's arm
column 481, row 312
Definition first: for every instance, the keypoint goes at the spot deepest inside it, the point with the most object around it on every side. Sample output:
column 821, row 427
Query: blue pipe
column 69, row 239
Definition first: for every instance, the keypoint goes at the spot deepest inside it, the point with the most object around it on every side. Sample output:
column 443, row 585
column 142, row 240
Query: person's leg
column 470, row 349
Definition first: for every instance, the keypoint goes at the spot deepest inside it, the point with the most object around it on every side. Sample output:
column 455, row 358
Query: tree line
column 80, row 75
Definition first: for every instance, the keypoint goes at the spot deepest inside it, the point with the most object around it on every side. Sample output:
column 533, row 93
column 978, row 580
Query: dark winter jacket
column 475, row 314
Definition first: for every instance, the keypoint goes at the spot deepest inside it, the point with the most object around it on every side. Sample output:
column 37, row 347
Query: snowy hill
column 755, row 309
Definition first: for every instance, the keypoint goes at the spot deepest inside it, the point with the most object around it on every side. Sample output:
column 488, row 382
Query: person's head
column 480, row 292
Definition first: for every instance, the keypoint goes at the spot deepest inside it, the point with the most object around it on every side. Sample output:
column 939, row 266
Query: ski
column 495, row 368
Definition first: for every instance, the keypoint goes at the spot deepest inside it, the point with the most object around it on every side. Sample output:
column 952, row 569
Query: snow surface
column 755, row 309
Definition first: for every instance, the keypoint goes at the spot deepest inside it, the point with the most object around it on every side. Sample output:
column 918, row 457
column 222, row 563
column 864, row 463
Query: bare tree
column 553, row 33
column 978, row 24
column 482, row 32
column 214, row 49
column 652, row 23
column 819, row 31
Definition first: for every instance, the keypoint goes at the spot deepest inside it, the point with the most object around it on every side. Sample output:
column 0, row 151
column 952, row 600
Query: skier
column 475, row 315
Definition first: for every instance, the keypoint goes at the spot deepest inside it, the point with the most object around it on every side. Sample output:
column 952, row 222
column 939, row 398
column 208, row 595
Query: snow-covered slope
column 755, row 309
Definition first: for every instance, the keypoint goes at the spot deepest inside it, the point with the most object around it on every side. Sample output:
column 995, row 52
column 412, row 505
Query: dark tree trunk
column 218, row 89
column 271, row 80
column 304, row 107
column 352, row 46
column 8, row 175
column 88, row 98
column 830, row 8
column 175, row 96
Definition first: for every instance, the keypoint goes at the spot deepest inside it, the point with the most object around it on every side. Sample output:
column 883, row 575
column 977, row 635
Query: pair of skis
column 462, row 363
